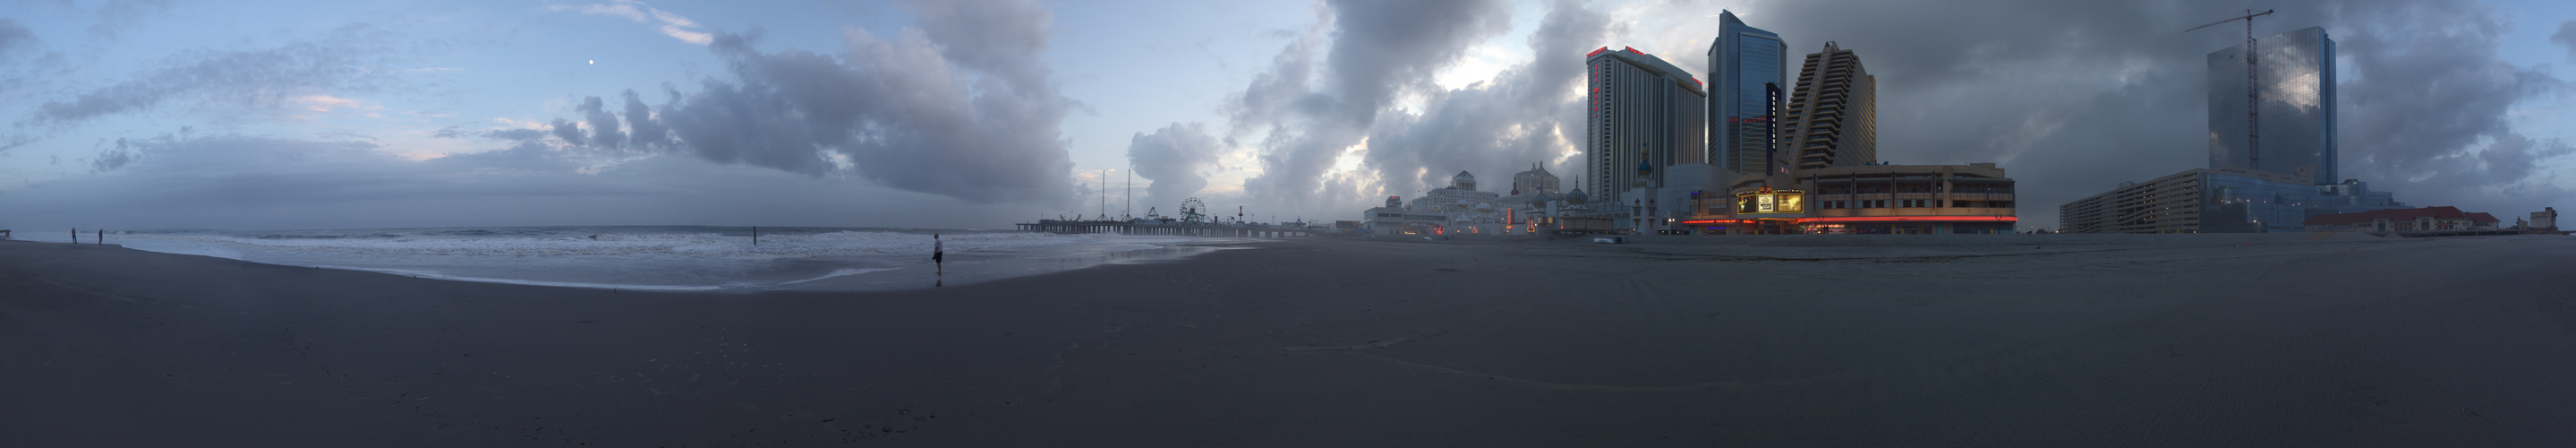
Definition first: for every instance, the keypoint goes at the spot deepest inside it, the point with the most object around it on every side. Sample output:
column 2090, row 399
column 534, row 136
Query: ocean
column 676, row 258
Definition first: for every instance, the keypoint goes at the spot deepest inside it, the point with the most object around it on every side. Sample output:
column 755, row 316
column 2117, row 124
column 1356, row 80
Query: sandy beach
column 1824, row 340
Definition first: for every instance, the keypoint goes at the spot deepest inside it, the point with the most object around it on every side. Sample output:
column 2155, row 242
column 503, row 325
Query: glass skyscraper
column 1740, row 63
column 2295, row 79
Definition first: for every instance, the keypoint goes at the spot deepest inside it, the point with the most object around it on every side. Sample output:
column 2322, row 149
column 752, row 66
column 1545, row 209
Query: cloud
column 647, row 132
column 669, row 24
column 258, row 182
column 569, row 131
column 1314, row 114
column 960, row 105
column 2566, row 37
column 1175, row 158
column 515, row 134
column 1527, row 113
column 14, row 36
column 266, row 79
column 120, row 15
column 112, row 159
column 603, row 125
column 2427, row 116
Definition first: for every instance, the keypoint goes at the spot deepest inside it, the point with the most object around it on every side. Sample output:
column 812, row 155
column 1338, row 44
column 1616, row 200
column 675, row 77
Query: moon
column 594, row 62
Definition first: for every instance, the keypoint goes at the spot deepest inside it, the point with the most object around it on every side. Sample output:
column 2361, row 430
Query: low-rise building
column 2217, row 200
column 2405, row 221
column 1864, row 199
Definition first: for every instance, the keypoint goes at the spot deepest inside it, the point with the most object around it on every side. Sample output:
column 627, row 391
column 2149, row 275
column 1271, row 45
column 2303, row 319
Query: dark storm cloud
column 1498, row 127
column 1380, row 51
column 2075, row 96
column 604, row 127
column 1176, row 159
column 960, row 106
column 603, row 124
column 2428, row 111
column 568, row 131
column 254, row 79
column 646, row 131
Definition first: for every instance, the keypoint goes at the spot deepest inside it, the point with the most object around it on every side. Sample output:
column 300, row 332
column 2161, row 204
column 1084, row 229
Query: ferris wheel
column 1193, row 211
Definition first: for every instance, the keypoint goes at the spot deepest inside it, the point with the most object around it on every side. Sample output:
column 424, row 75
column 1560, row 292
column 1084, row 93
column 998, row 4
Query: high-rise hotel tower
column 2295, row 79
column 1641, row 111
column 1742, row 65
column 1833, row 119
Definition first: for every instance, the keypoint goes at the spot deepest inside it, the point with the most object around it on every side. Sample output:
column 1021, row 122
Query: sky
column 175, row 114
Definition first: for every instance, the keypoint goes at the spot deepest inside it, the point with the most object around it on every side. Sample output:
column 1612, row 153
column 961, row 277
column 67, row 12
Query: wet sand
column 2007, row 340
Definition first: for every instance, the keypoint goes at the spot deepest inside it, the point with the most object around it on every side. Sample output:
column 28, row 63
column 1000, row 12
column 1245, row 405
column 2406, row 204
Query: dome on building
column 1463, row 181
column 1577, row 196
column 1644, row 168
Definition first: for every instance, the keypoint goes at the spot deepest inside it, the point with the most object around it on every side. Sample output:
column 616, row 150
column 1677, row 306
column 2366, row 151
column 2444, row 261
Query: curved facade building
column 1833, row 118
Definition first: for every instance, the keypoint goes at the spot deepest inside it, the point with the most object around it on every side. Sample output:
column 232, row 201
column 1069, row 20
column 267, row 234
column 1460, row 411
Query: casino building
column 1862, row 199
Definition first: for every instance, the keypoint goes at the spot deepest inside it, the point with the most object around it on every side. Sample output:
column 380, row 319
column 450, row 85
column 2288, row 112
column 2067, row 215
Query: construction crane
column 2253, row 99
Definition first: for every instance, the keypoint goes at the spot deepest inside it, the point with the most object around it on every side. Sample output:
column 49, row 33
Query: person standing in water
column 937, row 253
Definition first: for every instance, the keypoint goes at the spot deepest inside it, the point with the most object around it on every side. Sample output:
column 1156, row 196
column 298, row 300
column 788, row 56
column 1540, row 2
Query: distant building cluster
column 1755, row 151
column 2273, row 160
column 1785, row 155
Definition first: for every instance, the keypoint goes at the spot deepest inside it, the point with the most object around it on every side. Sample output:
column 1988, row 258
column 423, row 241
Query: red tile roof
column 2400, row 214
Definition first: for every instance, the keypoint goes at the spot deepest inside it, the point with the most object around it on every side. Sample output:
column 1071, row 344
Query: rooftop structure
column 1536, row 180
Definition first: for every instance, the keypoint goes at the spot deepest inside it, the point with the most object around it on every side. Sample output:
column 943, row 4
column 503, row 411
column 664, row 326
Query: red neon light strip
column 1908, row 218
column 1596, row 52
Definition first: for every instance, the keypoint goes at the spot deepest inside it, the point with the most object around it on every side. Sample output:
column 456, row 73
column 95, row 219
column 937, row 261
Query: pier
column 1177, row 229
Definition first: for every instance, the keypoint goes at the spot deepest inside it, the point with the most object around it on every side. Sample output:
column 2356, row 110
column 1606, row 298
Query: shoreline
column 531, row 257
column 1305, row 342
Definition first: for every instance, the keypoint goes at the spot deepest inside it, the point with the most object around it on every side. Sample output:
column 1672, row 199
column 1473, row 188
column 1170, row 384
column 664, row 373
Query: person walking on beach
column 937, row 253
